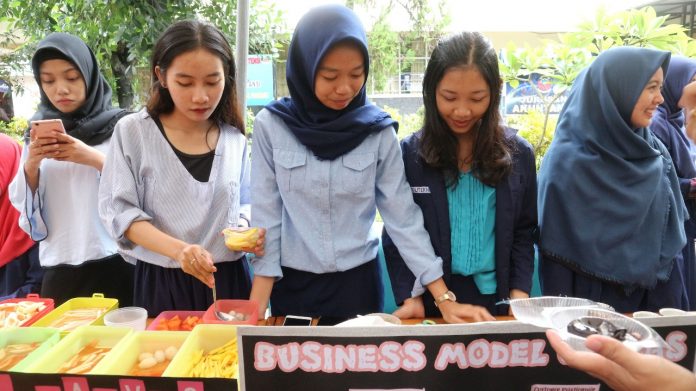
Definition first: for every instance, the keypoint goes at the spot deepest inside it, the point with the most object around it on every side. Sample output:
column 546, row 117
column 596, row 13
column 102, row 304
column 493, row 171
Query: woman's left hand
column 260, row 243
column 517, row 294
column 73, row 150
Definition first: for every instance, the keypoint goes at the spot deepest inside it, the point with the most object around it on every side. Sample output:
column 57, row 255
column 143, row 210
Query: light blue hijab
column 609, row 199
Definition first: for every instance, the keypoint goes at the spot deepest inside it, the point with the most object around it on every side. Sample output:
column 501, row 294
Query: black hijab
column 94, row 121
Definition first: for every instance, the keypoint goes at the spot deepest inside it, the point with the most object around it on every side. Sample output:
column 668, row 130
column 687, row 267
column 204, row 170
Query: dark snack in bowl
column 589, row 325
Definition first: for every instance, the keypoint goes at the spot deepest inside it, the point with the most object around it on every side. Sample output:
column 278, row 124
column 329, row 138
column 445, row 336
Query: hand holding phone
column 44, row 128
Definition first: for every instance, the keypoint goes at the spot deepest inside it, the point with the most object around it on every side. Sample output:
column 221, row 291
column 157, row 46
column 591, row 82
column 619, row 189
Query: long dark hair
column 185, row 36
column 491, row 152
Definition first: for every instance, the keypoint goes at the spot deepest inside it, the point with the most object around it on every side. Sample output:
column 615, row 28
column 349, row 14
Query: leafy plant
column 15, row 128
column 534, row 127
column 561, row 62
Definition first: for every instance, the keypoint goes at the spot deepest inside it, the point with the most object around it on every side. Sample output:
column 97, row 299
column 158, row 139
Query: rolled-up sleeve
column 119, row 200
column 27, row 203
column 403, row 219
column 267, row 205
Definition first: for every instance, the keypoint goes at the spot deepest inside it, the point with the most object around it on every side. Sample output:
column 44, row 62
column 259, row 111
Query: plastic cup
column 133, row 317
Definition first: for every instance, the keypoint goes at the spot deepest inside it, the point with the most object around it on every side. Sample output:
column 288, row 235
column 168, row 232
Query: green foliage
column 122, row 33
column 15, row 128
column 562, row 61
column 408, row 124
column 531, row 127
column 384, row 44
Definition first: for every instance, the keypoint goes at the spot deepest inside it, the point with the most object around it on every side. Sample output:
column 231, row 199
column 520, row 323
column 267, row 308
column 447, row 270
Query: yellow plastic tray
column 203, row 336
column 96, row 301
column 122, row 358
column 47, row 337
column 73, row 342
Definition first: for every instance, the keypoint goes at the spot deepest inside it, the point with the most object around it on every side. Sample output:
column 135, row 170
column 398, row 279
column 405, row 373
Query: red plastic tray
column 33, row 297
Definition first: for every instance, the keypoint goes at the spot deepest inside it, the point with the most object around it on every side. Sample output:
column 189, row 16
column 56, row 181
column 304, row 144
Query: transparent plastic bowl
column 133, row 317
column 646, row 338
column 538, row 310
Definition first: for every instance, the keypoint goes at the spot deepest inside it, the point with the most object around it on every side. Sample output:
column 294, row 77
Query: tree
column 561, row 62
column 122, row 33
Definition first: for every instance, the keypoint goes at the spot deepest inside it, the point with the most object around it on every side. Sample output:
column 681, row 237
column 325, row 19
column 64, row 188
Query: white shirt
column 62, row 214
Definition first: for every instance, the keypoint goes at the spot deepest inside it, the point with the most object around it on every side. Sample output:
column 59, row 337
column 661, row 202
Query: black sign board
column 488, row 356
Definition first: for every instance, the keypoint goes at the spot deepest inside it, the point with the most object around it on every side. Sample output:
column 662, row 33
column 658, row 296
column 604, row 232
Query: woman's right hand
column 198, row 262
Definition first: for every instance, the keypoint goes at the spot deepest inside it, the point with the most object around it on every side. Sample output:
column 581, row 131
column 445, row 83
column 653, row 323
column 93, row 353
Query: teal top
column 472, row 222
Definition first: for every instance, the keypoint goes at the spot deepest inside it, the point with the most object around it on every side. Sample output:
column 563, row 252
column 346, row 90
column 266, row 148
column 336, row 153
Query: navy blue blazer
column 515, row 222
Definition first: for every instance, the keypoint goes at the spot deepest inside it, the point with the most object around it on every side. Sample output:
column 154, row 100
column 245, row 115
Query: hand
column 517, row 294
column 198, row 262
column 453, row 312
column 412, row 308
column 39, row 149
column 259, row 249
column 74, row 150
column 621, row 368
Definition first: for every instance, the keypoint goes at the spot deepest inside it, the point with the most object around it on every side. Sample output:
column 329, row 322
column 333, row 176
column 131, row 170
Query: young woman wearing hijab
column 20, row 271
column 57, row 183
column 323, row 160
column 178, row 174
column 480, row 203
column 668, row 126
column 611, row 214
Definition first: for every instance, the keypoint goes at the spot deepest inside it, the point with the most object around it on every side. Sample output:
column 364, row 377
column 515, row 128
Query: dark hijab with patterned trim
column 94, row 121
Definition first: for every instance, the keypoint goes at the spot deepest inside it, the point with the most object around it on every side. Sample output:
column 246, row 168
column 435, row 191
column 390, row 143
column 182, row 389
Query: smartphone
column 293, row 320
column 45, row 127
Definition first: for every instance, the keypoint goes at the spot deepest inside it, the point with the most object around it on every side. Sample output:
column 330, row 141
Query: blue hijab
column 609, row 200
column 326, row 132
column 668, row 122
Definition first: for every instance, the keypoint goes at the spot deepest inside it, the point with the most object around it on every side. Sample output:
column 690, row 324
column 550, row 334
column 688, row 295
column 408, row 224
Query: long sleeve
column 267, row 202
column 119, row 204
column 27, row 203
column 403, row 219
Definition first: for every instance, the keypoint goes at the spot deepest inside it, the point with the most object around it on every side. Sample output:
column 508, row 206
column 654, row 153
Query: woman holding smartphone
column 56, row 186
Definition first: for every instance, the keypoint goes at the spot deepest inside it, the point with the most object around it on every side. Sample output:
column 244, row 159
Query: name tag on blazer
column 420, row 189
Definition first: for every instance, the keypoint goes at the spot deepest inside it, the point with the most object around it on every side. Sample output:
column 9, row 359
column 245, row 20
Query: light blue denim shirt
column 318, row 213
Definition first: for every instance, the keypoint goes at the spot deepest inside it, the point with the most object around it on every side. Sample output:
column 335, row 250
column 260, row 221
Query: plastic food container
column 537, row 310
column 641, row 336
column 133, row 317
column 167, row 315
column 73, row 343
column 247, row 307
column 34, row 298
column 204, row 338
column 45, row 337
column 96, row 302
column 239, row 238
column 125, row 356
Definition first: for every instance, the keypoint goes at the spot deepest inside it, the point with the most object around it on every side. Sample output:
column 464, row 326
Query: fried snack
column 85, row 359
column 237, row 239
column 10, row 355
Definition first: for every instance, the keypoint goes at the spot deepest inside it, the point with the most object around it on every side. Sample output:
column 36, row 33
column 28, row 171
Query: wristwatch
column 449, row 295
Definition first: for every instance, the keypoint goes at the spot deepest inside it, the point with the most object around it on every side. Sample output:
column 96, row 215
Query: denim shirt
column 318, row 213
